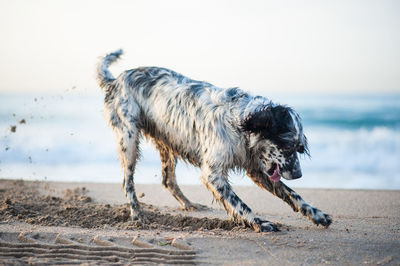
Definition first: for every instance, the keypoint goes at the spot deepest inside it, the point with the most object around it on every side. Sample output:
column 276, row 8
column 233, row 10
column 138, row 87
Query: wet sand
column 46, row 222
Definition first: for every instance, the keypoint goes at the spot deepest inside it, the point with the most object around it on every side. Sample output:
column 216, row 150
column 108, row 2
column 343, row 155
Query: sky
column 324, row 47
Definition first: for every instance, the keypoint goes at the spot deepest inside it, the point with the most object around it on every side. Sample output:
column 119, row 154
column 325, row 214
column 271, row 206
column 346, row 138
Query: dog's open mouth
column 274, row 173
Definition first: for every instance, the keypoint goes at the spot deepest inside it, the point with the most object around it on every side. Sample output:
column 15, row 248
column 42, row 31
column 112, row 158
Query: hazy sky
column 261, row 46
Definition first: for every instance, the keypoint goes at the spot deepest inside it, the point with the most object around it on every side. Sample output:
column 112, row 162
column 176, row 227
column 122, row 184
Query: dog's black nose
column 297, row 174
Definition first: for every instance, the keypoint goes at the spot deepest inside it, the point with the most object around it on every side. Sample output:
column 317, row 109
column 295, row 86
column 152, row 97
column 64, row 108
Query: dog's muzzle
column 275, row 175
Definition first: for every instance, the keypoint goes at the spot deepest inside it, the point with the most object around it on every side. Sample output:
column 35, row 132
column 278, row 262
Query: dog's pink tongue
column 276, row 176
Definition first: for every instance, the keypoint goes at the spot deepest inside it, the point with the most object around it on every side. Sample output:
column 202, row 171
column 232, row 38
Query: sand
column 76, row 223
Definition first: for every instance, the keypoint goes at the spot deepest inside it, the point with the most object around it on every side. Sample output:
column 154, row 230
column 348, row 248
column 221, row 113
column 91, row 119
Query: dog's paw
column 316, row 216
column 260, row 225
column 136, row 215
column 321, row 218
column 195, row 207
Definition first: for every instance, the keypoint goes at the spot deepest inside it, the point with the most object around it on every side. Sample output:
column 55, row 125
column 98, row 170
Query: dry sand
column 45, row 222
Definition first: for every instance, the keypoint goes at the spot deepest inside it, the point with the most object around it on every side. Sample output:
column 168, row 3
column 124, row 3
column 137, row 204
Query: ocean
column 354, row 142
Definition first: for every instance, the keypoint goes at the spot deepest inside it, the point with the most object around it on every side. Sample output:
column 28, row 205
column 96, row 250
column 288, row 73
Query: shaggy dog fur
column 215, row 129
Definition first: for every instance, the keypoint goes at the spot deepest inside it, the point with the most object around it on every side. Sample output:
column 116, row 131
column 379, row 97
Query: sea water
column 354, row 142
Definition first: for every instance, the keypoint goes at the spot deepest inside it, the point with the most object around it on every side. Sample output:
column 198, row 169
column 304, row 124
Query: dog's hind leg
column 124, row 122
column 168, row 161
column 128, row 147
column 288, row 195
column 218, row 184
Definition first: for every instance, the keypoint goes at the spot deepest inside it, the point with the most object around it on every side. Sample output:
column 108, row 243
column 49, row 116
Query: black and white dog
column 215, row 129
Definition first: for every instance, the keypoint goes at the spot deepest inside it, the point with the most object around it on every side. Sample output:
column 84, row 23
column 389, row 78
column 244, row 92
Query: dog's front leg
column 288, row 195
column 314, row 214
column 217, row 183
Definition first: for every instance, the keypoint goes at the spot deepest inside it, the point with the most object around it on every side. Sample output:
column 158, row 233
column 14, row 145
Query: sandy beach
column 75, row 223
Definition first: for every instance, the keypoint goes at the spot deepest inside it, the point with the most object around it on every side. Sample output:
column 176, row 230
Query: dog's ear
column 259, row 121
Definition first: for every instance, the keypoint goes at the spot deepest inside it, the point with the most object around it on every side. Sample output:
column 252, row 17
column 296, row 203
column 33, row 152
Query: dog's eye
column 288, row 149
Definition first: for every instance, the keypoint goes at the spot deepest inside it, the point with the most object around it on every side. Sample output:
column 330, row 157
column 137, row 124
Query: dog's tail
column 104, row 76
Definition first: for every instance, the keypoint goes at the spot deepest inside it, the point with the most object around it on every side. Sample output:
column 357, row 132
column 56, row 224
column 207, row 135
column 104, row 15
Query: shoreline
column 238, row 185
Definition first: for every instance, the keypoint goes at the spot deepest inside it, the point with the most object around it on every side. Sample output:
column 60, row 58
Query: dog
column 217, row 130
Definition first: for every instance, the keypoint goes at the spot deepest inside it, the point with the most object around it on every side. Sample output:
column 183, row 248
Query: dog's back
column 190, row 117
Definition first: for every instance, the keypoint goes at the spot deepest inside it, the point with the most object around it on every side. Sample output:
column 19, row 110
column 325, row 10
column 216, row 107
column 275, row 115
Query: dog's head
column 276, row 136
